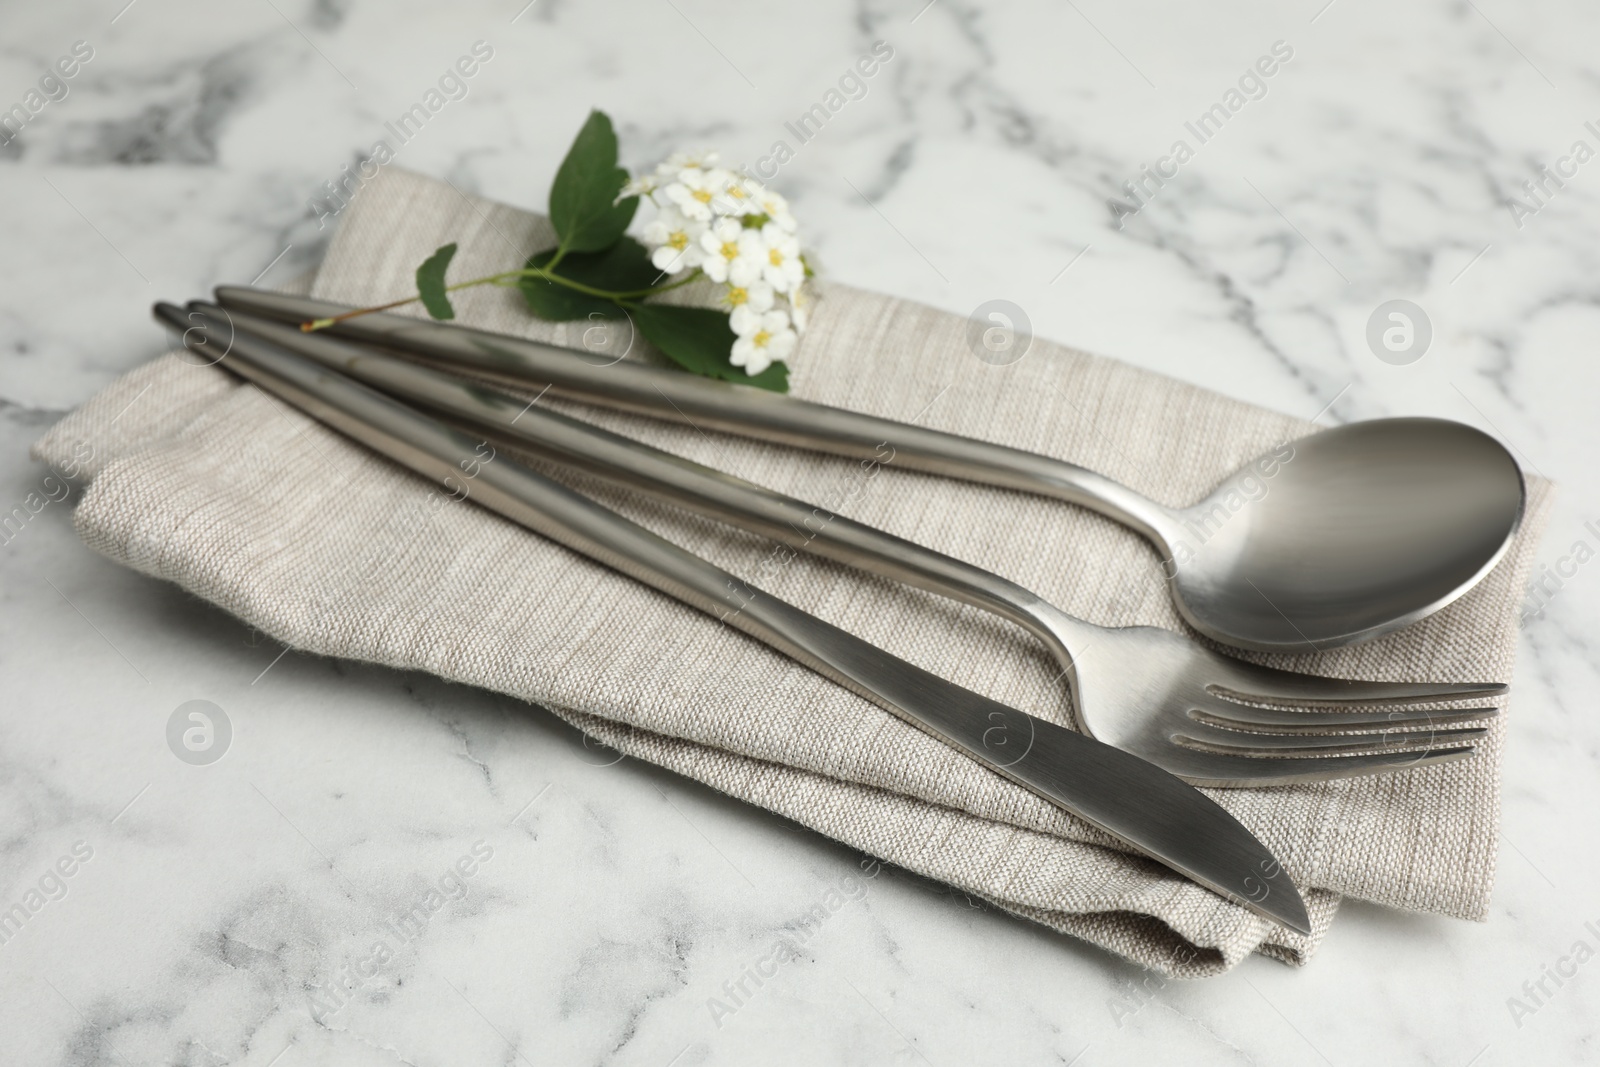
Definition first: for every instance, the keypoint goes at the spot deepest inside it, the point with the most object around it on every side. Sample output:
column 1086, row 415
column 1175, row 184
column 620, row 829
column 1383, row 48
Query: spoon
column 1324, row 541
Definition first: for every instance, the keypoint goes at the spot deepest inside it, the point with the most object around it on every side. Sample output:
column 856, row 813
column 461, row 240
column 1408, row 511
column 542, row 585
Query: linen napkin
column 204, row 481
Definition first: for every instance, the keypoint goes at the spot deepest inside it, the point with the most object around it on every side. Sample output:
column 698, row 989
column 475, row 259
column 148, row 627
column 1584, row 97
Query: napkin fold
column 210, row 483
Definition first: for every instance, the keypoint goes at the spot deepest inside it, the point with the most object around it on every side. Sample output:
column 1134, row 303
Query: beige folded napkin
column 238, row 498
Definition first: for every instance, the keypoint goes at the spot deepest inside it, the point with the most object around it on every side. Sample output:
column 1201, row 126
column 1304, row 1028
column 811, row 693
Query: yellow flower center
column 776, row 257
column 730, row 249
column 736, row 192
column 679, row 241
column 761, row 338
column 702, row 195
column 738, row 296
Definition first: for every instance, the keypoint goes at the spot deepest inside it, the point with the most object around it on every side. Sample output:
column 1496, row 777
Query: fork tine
column 1233, row 742
column 1230, row 772
column 1275, row 720
column 1266, row 685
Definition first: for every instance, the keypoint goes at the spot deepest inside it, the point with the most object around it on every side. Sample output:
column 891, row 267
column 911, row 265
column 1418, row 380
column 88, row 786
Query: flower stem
column 505, row 277
column 692, row 276
column 319, row 324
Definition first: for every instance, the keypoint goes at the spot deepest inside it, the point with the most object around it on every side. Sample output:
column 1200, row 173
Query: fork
column 1207, row 718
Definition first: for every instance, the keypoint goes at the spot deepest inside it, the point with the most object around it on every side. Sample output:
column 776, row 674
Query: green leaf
column 430, row 283
column 583, row 199
column 774, row 379
column 622, row 268
column 700, row 340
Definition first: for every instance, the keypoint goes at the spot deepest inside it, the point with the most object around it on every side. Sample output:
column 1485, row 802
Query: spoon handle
column 733, row 408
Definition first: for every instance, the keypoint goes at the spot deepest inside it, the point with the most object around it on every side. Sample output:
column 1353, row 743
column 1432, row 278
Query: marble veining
column 299, row 902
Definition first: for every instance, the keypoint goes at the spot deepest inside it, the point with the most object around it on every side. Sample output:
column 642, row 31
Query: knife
column 1143, row 806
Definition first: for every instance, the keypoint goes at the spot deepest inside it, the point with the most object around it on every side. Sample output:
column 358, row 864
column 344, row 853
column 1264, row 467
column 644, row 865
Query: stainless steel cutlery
column 1151, row 810
column 1344, row 535
column 1211, row 719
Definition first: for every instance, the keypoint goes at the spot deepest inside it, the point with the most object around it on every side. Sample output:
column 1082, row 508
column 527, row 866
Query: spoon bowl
column 1344, row 535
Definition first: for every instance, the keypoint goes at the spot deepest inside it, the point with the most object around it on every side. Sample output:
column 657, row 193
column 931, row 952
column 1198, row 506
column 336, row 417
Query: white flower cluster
column 742, row 236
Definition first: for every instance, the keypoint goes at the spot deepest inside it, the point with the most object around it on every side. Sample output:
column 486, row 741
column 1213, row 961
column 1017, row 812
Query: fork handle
column 734, row 408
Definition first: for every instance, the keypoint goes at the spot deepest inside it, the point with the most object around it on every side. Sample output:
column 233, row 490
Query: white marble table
column 218, row 904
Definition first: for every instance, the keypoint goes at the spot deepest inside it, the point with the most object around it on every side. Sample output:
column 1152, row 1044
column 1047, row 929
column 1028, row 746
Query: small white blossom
column 776, row 208
column 693, row 192
column 755, row 257
column 770, row 342
column 669, row 168
column 779, row 256
column 676, row 239
column 749, row 301
column 638, row 185
column 737, row 197
column 727, row 259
